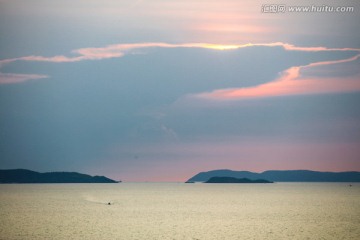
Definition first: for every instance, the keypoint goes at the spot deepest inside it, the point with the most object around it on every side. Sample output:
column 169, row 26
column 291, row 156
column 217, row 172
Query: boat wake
column 98, row 200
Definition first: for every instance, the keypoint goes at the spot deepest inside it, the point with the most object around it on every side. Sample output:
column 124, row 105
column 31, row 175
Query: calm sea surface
column 180, row 211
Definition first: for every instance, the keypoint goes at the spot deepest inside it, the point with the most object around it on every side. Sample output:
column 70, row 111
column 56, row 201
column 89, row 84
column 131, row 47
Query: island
column 235, row 180
column 28, row 176
column 281, row 175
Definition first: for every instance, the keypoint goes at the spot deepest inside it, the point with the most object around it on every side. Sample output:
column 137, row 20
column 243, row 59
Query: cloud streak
column 282, row 86
column 8, row 78
column 292, row 83
column 119, row 50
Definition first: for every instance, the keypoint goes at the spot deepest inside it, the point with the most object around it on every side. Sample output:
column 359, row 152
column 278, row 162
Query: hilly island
column 280, row 176
column 28, row 176
column 235, row 180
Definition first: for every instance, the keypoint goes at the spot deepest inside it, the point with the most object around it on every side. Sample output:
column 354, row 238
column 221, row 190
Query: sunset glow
column 158, row 90
column 221, row 47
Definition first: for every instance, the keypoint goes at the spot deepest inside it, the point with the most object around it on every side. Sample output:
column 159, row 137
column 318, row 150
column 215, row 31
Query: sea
column 180, row 211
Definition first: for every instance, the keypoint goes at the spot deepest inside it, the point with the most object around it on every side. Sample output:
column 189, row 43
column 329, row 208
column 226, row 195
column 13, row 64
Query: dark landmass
column 27, row 176
column 282, row 176
column 235, row 180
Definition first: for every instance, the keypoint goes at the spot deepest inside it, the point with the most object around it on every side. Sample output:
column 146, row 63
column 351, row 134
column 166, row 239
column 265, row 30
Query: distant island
column 28, row 176
column 235, row 180
column 281, row 176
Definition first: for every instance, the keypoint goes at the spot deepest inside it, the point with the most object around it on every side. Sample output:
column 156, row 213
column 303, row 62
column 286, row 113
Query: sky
column 161, row 90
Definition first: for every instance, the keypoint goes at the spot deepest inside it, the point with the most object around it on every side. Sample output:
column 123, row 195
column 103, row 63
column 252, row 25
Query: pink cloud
column 291, row 83
column 9, row 78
